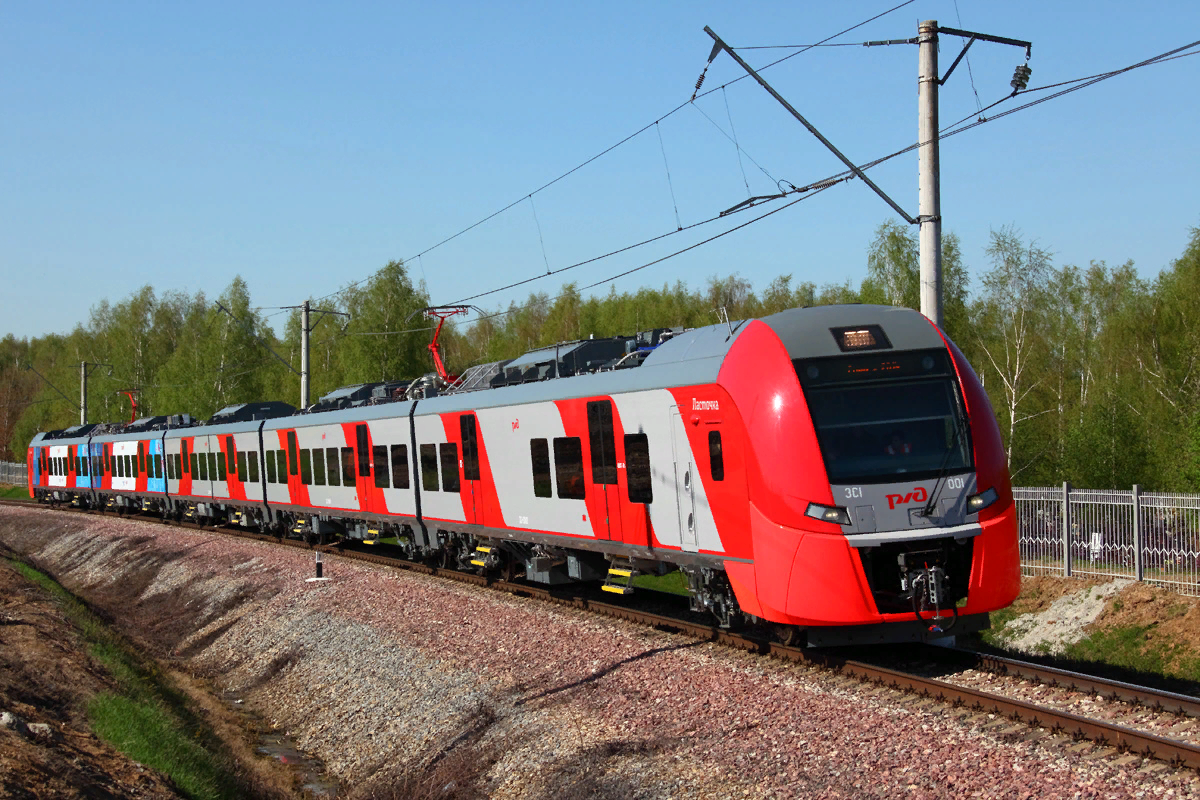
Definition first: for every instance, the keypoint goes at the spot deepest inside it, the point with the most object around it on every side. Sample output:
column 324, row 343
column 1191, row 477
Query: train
column 834, row 474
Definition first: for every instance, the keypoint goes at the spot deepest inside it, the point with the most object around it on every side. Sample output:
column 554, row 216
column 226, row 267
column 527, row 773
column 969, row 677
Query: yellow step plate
column 617, row 589
column 478, row 563
column 624, row 573
column 482, row 549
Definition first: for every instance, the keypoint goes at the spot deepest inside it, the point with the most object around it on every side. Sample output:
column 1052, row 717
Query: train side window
column 637, row 468
column 306, row 467
column 470, row 446
column 253, row 464
column 334, row 471
column 170, row 467
column 601, row 442
column 202, row 464
column 347, row 466
column 157, row 465
column 568, row 467
column 399, row 466
column 281, row 465
column 141, row 457
column 429, row 476
column 195, row 465
column 269, row 461
column 379, row 454
column 183, row 456
column 364, row 450
column 242, row 467
column 218, row 459
column 716, row 456
column 230, row 452
column 539, row 455
column 318, row 466
column 449, row 466
column 293, row 456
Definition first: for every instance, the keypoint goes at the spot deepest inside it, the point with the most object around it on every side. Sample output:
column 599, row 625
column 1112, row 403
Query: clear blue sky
column 304, row 145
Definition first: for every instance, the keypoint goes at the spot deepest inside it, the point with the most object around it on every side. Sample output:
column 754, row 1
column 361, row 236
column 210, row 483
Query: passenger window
column 347, row 466
column 600, row 439
column 241, row 467
column 292, row 454
column 195, row 466
column 230, row 453
column 157, row 465
column 202, row 462
column 183, row 450
column 281, row 465
column 399, row 466
column 306, row 467
column 637, row 468
column 219, row 459
column 568, row 467
column 141, row 457
column 269, row 460
column 318, row 466
column 334, row 471
column 470, row 446
column 449, row 466
column 429, row 476
column 253, row 467
column 539, row 454
column 716, row 458
column 364, row 451
column 212, row 466
column 379, row 455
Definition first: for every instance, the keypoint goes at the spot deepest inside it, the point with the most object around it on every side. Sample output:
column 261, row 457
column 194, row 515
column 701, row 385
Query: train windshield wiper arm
column 927, row 511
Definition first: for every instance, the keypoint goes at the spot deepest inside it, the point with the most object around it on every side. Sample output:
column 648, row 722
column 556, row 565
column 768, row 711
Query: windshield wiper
column 927, row 511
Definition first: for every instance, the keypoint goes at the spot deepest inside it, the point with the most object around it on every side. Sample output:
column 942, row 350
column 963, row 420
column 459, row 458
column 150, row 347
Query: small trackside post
column 1138, row 566
column 1066, row 528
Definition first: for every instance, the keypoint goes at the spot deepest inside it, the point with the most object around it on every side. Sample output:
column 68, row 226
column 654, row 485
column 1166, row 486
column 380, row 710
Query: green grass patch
column 999, row 619
column 671, row 583
column 146, row 719
column 15, row 492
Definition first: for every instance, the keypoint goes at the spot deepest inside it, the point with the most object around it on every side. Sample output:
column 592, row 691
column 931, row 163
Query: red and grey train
column 834, row 470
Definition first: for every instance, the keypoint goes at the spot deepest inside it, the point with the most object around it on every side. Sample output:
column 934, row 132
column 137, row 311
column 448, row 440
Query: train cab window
column 157, row 457
column 379, row 455
column 306, row 467
column 637, row 468
column 449, row 453
column 429, row 476
column 253, row 459
column 399, row 466
column 470, row 446
column 269, row 461
column 318, row 466
column 292, row 454
column 364, row 450
column 218, row 460
column 568, row 467
column 230, row 453
column 716, row 456
column 347, row 466
column 601, row 443
column 241, row 466
column 334, row 471
column 539, row 455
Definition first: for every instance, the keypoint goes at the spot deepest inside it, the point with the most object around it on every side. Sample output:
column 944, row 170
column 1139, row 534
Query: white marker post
column 320, row 570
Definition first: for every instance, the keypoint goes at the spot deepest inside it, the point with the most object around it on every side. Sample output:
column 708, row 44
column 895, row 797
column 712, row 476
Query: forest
column 1092, row 370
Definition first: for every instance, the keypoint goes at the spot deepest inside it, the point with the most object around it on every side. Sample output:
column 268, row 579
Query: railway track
column 1008, row 713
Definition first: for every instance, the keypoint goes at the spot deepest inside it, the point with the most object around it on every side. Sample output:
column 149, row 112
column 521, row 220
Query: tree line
column 1093, row 372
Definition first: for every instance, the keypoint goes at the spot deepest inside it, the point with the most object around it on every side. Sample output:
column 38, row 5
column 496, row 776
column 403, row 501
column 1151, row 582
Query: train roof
column 812, row 332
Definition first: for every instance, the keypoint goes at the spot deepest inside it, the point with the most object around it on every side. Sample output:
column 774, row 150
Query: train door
column 472, row 488
column 685, row 478
column 602, row 443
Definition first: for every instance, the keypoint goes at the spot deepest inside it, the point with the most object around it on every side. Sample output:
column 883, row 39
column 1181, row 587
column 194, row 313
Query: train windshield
column 886, row 417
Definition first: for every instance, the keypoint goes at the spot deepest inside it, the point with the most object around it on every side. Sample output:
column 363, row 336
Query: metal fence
column 13, row 474
column 1144, row 536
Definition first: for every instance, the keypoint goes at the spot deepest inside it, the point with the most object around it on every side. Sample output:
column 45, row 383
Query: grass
column 671, row 583
column 145, row 719
column 18, row 492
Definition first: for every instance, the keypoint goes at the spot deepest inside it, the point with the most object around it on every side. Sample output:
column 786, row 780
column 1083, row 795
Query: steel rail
column 1107, row 734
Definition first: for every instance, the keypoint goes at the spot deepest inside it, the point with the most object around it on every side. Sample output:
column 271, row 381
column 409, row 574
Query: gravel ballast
column 390, row 676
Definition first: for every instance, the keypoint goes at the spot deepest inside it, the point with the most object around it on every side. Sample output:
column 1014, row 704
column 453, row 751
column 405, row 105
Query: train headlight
column 978, row 502
column 835, row 514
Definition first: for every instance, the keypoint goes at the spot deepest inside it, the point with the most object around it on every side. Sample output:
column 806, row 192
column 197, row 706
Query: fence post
column 1066, row 528
column 1137, row 532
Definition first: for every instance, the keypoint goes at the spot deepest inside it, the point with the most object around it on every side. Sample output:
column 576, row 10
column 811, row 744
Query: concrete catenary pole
column 304, row 355
column 929, row 167
column 83, row 393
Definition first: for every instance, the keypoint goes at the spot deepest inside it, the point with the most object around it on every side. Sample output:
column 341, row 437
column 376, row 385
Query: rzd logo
column 917, row 495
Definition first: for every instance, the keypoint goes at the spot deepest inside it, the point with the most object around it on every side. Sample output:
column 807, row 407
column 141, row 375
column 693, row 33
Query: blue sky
column 303, row 145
